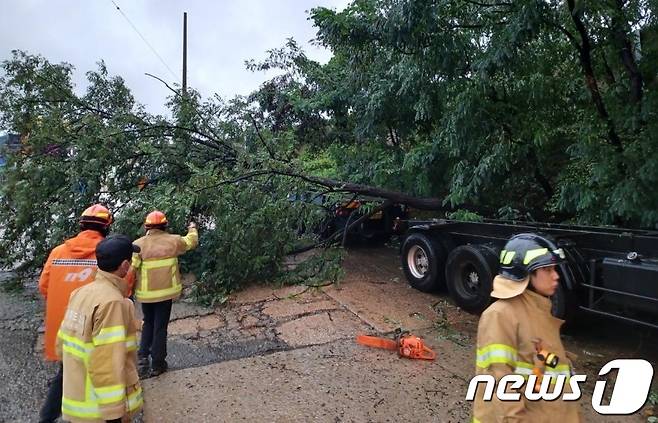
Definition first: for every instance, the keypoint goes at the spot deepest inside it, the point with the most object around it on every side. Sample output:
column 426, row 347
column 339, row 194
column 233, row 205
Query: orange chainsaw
column 407, row 345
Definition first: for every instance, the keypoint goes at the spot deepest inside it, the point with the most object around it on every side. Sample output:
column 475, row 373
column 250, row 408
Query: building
column 8, row 142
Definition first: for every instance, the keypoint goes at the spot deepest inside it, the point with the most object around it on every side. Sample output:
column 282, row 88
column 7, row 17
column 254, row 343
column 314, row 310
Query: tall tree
column 536, row 105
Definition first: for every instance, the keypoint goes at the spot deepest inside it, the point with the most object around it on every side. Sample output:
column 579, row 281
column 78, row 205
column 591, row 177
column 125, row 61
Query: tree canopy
column 513, row 109
column 540, row 106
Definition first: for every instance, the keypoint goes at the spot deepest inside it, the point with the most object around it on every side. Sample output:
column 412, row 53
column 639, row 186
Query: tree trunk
column 585, row 54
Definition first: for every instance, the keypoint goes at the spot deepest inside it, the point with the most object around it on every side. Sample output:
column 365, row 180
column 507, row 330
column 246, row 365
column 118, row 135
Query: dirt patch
column 288, row 308
column 260, row 293
column 193, row 326
column 321, row 328
column 374, row 291
column 386, row 306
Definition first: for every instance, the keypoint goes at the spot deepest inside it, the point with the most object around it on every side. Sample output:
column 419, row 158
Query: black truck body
column 608, row 271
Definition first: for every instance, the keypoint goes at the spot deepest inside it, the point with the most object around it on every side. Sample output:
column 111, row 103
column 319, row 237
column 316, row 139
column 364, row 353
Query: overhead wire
column 195, row 108
column 145, row 41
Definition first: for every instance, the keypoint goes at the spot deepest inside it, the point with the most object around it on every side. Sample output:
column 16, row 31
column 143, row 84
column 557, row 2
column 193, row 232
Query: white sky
column 221, row 35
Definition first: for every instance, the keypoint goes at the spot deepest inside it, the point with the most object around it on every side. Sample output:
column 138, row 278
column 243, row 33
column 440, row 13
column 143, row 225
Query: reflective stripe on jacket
column 69, row 266
column 505, row 345
column 98, row 345
column 156, row 265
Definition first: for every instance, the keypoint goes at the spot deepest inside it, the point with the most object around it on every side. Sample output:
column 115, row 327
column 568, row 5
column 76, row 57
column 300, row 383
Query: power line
column 145, row 41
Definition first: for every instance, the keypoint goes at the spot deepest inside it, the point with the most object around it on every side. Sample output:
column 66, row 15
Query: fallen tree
column 221, row 172
column 442, row 106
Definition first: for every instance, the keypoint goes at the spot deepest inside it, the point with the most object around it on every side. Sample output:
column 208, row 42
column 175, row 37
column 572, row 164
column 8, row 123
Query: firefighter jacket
column 505, row 345
column 156, row 266
column 98, row 345
column 69, row 266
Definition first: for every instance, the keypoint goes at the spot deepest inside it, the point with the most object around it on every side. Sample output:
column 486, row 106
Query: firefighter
column 97, row 342
column 158, row 284
column 69, row 266
column 512, row 329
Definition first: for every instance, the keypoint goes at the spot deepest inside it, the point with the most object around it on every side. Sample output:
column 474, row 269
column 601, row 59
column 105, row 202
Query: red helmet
column 97, row 214
column 155, row 218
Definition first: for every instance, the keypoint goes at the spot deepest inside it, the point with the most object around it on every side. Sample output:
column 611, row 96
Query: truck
column 341, row 212
column 378, row 228
column 608, row 271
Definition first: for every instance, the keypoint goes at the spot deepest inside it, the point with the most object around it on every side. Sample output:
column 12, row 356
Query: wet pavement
column 287, row 354
column 23, row 372
column 321, row 374
column 338, row 381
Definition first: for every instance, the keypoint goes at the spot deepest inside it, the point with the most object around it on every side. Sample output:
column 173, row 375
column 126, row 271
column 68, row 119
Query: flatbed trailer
column 608, row 271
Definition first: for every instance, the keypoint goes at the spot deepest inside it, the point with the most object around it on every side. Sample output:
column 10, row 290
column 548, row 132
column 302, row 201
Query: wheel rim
column 417, row 262
column 471, row 281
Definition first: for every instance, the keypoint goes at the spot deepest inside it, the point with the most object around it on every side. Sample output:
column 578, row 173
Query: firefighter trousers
column 52, row 406
column 154, row 332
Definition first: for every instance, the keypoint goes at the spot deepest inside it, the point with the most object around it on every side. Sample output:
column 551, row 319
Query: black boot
column 143, row 367
column 159, row 368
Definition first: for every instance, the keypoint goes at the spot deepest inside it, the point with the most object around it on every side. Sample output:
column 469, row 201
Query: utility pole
column 184, row 54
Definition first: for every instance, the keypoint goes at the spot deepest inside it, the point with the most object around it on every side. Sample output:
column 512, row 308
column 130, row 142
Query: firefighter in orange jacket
column 69, row 266
column 97, row 341
column 158, row 284
column 517, row 327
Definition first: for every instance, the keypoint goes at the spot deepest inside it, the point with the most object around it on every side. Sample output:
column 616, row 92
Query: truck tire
column 470, row 270
column 564, row 303
column 423, row 260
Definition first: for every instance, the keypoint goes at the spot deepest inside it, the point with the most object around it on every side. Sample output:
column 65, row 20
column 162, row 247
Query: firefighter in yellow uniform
column 97, row 342
column 158, row 284
column 514, row 329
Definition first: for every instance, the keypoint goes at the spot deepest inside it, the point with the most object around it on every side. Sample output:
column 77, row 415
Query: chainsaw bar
column 374, row 341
